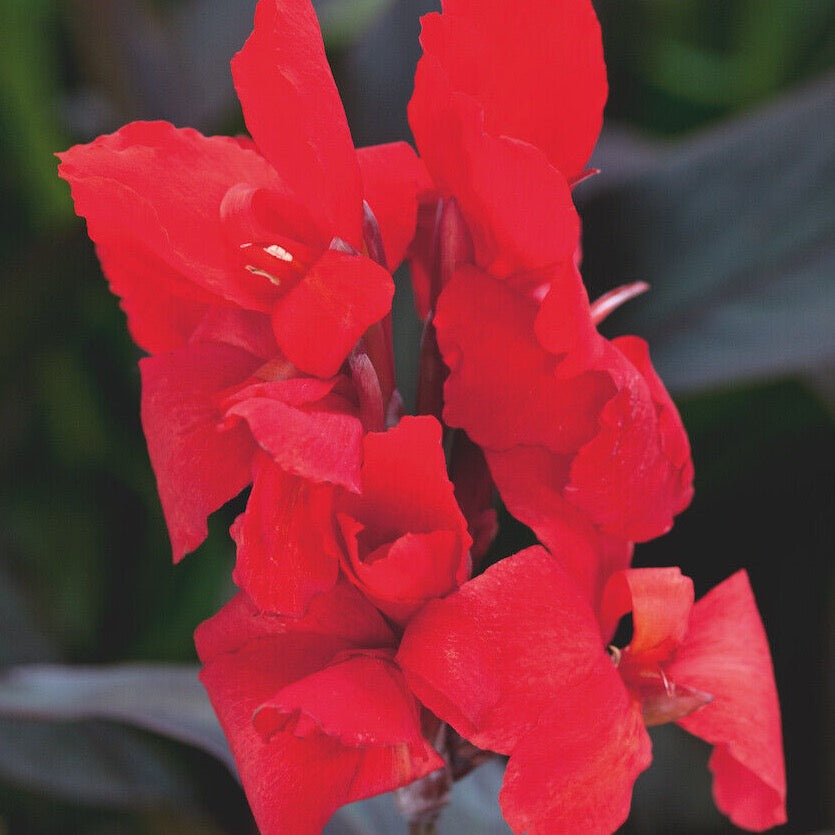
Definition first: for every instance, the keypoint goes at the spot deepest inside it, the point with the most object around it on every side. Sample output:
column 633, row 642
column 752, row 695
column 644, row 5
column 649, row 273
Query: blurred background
column 717, row 187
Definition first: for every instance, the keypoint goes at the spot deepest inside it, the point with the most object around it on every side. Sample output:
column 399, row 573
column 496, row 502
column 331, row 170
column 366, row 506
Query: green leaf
column 165, row 699
column 735, row 232
column 91, row 763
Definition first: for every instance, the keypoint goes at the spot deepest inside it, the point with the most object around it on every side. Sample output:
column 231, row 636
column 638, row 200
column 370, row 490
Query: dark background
column 718, row 187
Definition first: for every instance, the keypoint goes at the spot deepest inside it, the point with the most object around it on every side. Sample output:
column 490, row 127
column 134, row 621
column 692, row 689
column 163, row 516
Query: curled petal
column 361, row 700
column 636, row 473
column 295, row 783
column 286, row 551
column 301, row 435
column 726, row 654
column 660, row 600
column 531, row 482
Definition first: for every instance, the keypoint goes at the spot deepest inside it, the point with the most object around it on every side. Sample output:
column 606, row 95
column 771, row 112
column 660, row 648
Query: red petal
column 530, row 481
column 502, row 390
column 245, row 329
column 726, row 654
column 320, row 320
column 660, row 600
column 341, row 613
column 287, row 552
column 405, row 487
column 492, row 657
column 316, row 445
column 162, row 310
column 406, row 537
column 672, row 436
column 399, row 577
column 199, row 464
column 151, row 195
column 636, row 473
column 518, row 206
column 551, row 87
column 361, row 701
column 293, row 111
column 393, row 178
column 575, row 770
column 294, row 785
column 563, row 324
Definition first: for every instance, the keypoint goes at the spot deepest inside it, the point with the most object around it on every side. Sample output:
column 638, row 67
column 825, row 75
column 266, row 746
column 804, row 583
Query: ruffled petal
column 660, row 600
column 502, row 390
column 405, row 487
column 293, row 111
column 393, row 179
column 295, row 784
column 635, row 474
column 200, row 463
column 341, row 613
column 287, row 552
column 399, row 577
column 151, row 195
column 491, row 658
column 320, row 320
column 551, row 88
column 726, row 654
column 360, row 700
column 406, row 539
column 301, row 435
column 574, row 772
column 530, row 481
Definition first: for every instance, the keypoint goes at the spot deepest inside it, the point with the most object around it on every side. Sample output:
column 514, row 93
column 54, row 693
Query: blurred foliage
column 678, row 65
column 85, row 571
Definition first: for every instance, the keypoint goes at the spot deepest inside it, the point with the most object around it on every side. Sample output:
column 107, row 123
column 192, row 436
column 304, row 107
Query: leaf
column 343, row 22
column 92, row 763
column 165, row 699
column 735, row 232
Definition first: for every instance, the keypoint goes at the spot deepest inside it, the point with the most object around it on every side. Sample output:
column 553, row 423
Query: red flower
column 315, row 710
column 515, row 662
column 581, row 438
column 243, row 258
column 402, row 540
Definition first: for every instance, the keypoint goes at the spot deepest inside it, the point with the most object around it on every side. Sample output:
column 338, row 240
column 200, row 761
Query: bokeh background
column 717, row 186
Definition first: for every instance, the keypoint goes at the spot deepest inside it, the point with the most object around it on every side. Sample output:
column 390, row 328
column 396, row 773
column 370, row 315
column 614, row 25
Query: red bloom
column 548, row 694
column 581, row 438
column 402, row 540
column 316, row 712
column 243, row 258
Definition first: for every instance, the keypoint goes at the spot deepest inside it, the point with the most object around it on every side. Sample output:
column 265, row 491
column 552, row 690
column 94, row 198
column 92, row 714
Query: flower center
column 282, row 264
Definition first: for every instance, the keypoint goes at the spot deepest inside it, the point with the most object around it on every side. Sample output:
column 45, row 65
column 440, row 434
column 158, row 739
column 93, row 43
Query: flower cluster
column 366, row 640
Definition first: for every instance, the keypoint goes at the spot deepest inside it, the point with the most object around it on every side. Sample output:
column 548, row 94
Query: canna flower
column 252, row 264
column 315, row 710
column 515, row 661
column 402, row 540
column 582, row 440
